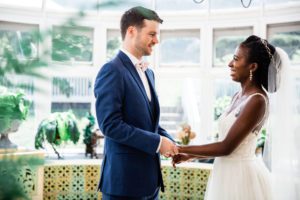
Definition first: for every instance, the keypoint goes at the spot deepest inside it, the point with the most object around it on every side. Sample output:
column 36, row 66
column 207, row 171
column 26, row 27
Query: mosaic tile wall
column 79, row 182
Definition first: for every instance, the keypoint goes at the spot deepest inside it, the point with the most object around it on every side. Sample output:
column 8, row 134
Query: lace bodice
column 246, row 150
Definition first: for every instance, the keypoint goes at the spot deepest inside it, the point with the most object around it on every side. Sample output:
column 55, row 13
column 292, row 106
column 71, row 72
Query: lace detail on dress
column 246, row 149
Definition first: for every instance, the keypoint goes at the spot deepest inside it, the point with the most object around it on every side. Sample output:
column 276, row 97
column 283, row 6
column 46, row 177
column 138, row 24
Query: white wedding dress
column 240, row 175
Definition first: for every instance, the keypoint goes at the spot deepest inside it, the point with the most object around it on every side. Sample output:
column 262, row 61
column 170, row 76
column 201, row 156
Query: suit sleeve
column 164, row 133
column 109, row 93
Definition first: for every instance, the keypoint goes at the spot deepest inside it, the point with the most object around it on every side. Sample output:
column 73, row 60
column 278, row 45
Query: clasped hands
column 169, row 149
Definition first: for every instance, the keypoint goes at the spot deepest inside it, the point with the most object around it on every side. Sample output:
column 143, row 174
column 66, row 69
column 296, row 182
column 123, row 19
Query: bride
column 237, row 173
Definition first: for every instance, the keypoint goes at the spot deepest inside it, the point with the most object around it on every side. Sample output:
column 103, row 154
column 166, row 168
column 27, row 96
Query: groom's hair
column 135, row 17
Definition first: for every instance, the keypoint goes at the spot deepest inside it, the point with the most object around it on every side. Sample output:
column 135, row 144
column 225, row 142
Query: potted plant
column 13, row 110
column 91, row 136
column 57, row 128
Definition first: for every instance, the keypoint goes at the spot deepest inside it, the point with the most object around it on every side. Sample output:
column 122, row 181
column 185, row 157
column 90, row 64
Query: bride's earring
column 251, row 75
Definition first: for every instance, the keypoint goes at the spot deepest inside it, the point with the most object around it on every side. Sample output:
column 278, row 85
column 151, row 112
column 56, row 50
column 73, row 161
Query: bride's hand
column 180, row 158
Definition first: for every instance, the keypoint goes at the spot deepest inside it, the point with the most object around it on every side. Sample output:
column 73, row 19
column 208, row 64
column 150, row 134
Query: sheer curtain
column 282, row 152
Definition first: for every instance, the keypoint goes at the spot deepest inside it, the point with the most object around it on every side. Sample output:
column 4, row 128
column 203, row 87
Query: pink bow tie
column 142, row 65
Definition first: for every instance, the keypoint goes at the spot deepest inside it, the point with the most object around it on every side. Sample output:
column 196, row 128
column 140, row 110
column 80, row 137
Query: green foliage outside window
column 225, row 47
column 22, row 44
column 113, row 47
column 290, row 42
column 69, row 46
column 220, row 105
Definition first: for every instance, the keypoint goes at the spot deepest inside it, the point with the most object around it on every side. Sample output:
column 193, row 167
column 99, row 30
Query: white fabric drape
column 282, row 151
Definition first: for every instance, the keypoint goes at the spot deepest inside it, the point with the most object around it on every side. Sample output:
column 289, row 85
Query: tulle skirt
column 239, row 179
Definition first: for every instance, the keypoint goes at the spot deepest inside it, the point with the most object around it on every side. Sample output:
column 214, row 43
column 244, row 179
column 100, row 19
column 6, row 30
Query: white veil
column 282, row 150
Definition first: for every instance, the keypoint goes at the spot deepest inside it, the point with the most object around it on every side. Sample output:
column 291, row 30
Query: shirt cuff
column 157, row 150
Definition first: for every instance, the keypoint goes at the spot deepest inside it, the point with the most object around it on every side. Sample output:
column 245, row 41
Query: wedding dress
column 240, row 175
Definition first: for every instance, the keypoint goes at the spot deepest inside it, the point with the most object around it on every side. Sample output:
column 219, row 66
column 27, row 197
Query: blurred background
column 53, row 49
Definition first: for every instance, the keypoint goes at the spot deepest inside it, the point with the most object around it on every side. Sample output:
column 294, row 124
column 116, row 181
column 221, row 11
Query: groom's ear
column 131, row 31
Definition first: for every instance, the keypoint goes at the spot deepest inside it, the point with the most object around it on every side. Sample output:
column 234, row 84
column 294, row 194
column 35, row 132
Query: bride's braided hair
column 260, row 52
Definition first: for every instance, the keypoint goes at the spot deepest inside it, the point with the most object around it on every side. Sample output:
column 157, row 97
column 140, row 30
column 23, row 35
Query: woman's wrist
column 180, row 149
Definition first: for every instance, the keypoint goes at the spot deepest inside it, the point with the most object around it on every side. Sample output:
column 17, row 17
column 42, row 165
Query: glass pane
column 72, row 44
column 179, row 104
column 71, row 87
column 79, row 109
column 298, row 97
column 180, row 47
column 223, row 4
column 123, row 5
column 72, row 4
column 25, row 4
column 225, row 43
column 287, row 37
column 224, row 91
column 113, row 45
column 175, row 5
column 18, row 40
column 280, row 1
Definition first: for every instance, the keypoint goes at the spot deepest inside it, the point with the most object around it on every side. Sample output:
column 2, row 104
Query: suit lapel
column 128, row 64
column 154, row 95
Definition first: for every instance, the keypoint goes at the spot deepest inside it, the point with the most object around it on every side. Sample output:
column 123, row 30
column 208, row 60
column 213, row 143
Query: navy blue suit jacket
column 131, row 166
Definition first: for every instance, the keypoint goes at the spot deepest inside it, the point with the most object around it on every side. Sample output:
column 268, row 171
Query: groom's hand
column 168, row 148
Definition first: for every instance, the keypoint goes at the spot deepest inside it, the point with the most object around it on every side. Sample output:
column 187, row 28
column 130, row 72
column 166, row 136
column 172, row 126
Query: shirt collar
column 132, row 58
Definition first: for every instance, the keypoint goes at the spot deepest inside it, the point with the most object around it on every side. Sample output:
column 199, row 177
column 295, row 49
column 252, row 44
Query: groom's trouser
column 153, row 196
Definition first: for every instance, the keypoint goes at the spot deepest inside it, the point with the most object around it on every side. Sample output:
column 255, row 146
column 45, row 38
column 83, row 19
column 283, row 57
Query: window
column 225, row 42
column 79, row 109
column 17, row 40
column 287, row 37
column 221, row 4
column 72, row 5
column 17, row 3
column 297, row 91
column 280, row 1
column 224, row 91
column 72, row 93
column 178, row 99
column 180, row 48
column 121, row 6
column 113, row 44
column 72, row 44
column 175, row 5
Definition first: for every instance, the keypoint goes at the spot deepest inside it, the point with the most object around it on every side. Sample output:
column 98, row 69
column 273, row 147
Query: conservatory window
column 113, row 44
column 18, row 40
column 72, row 44
column 287, row 37
column 180, row 48
column 225, row 42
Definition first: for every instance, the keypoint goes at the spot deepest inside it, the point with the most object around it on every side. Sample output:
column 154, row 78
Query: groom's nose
column 155, row 40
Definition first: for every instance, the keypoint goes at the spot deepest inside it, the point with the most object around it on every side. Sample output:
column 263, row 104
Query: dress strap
column 266, row 111
column 254, row 94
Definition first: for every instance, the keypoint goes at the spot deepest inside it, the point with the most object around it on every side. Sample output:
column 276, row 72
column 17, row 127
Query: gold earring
column 251, row 75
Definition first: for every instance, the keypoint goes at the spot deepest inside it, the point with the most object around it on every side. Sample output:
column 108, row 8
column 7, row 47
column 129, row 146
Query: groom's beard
column 142, row 47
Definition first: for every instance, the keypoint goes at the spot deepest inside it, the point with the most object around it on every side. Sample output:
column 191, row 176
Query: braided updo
column 260, row 52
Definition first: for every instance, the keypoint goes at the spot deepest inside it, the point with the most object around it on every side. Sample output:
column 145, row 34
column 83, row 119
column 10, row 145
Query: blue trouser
column 153, row 196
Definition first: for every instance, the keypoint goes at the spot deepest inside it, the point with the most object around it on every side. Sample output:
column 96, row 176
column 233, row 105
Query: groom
column 127, row 110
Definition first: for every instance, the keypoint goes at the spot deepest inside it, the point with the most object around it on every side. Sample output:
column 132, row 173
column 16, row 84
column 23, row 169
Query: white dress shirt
column 142, row 74
column 143, row 77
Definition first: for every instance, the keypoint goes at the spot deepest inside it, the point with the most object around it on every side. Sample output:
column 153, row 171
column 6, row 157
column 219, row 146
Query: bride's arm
column 249, row 117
